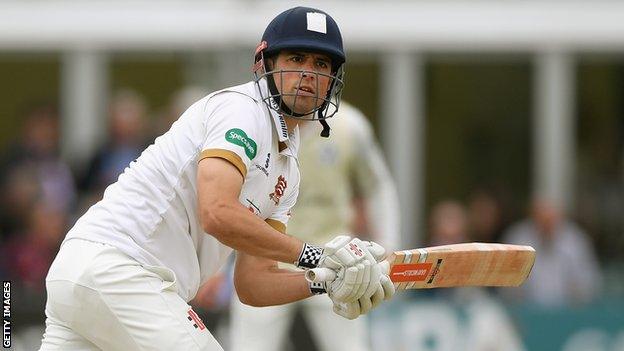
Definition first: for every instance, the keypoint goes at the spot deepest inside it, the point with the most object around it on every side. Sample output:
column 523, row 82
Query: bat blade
column 470, row 264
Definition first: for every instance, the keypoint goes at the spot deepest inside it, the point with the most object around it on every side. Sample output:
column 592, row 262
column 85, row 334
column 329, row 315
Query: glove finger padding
column 388, row 287
column 372, row 251
column 330, row 262
column 358, row 291
column 350, row 310
column 365, row 305
column 378, row 296
column 337, row 288
column 347, row 256
column 376, row 250
column 385, row 267
column 375, row 275
column 375, row 271
column 342, row 289
column 335, row 244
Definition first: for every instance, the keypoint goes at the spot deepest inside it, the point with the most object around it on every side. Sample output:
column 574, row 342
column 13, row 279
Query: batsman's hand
column 385, row 290
column 355, row 264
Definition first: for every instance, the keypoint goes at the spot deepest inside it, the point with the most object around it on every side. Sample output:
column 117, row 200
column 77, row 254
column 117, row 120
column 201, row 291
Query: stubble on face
column 302, row 78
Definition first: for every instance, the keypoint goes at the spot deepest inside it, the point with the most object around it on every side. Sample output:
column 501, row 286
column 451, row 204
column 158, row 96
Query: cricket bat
column 469, row 264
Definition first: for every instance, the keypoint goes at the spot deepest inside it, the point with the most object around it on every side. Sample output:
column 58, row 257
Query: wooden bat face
column 470, row 264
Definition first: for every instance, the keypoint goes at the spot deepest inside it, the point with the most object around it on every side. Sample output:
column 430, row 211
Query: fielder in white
column 223, row 178
column 344, row 181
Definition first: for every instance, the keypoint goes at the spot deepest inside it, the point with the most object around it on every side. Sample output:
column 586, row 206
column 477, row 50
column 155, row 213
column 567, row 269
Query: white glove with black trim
column 357, row 271
column 385, row 290
column 357, row 274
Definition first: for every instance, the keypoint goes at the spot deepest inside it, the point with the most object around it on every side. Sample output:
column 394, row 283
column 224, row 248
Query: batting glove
column 352, row 310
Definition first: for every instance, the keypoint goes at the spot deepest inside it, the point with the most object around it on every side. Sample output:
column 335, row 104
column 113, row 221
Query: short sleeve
column 232, row 130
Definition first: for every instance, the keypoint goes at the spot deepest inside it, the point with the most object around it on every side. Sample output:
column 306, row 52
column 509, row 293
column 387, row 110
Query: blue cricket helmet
column 305, row 28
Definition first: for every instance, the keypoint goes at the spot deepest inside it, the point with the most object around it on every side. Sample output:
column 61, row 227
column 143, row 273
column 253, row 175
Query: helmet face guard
column 326, row 102
column 307, row 30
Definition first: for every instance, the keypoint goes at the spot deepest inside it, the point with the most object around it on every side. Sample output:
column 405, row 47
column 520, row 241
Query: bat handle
column 320, row 275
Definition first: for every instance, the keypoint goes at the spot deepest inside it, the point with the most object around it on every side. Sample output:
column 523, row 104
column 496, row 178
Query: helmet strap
column 326, row 128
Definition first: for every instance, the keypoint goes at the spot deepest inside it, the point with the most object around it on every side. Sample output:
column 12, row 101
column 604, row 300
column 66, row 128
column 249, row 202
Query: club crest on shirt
column 280, row 188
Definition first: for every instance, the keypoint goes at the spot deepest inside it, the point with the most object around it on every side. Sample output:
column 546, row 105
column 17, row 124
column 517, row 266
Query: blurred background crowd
column 475, row 117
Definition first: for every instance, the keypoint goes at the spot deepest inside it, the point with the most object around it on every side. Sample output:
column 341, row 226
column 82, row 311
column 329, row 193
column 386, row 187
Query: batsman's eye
column 322, row 64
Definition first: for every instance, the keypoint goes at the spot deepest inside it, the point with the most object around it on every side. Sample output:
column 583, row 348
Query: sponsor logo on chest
column 239, row 137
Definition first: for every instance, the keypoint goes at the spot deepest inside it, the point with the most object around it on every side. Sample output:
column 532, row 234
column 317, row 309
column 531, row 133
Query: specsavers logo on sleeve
column 239, row 137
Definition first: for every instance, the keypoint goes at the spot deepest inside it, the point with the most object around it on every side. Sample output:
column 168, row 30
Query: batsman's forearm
column 273, row 288
column 234, row 226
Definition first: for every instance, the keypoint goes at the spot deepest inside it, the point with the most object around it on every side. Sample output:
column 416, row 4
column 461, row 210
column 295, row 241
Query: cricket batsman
column 361, row 187
column 223, row 178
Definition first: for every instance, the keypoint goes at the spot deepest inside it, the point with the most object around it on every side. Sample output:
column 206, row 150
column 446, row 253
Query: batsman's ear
column 269, row 61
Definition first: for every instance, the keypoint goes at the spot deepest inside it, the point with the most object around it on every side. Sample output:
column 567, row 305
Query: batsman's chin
column 305, row 108
column 301, row 113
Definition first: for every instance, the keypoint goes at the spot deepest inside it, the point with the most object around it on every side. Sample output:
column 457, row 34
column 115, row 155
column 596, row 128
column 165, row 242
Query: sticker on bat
column 435, row 271
column 412, row 272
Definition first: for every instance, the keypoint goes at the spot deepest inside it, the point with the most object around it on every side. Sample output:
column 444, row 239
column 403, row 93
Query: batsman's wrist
column 310, row 256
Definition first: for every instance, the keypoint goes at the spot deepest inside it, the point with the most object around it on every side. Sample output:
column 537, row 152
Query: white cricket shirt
column 151, row 213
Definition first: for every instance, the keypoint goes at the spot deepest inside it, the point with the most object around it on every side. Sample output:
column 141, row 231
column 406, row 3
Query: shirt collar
column 293, row 143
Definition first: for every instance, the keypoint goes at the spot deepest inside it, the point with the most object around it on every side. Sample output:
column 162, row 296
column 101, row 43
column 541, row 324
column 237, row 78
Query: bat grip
column 320, row 275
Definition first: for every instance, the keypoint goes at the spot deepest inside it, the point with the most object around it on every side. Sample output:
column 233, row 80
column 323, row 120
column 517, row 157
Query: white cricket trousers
column 101, row 299
column 266, row 328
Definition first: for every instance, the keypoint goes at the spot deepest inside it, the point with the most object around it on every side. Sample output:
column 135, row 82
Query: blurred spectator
column 32, row 168
column 27, row 256
column 448, row 224
column 38, row 191
column 566, row 270
column 486, row 215
column 126, row 140
column 179, row 102
column 20, row 189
